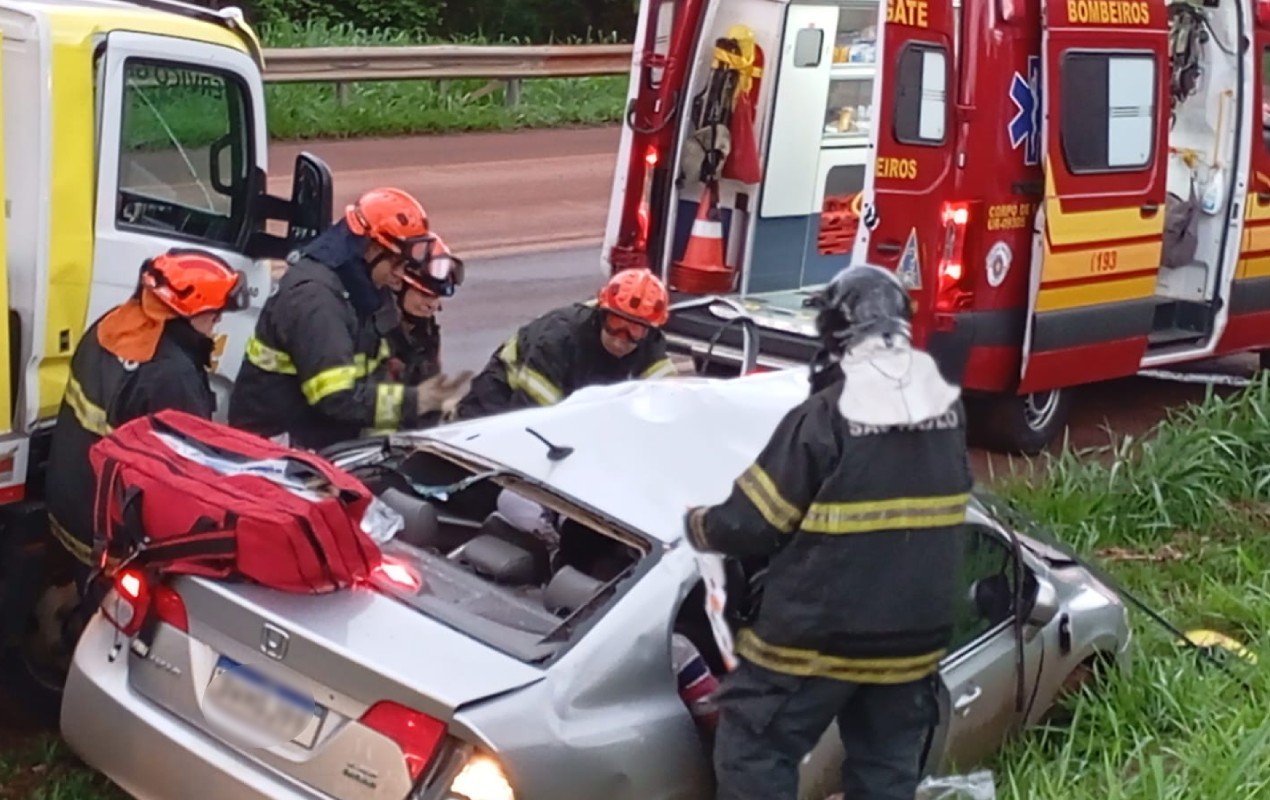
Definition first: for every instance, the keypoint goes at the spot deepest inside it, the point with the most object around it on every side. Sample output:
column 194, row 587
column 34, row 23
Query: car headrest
column 499, row 560
column 422, row 528
column 500, row 527
column 569, row 589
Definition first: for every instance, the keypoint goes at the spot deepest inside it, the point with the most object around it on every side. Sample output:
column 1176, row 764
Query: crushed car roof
column 643, row 451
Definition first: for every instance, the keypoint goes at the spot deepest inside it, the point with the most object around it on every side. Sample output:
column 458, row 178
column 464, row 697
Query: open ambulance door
column 1097, row 246
column 908, row 212
column 14, row 446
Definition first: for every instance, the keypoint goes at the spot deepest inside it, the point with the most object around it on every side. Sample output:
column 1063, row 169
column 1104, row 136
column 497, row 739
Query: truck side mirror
column 307, row 212
column 312, row 199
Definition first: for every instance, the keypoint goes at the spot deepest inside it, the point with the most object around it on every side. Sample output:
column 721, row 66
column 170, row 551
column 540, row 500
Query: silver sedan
column 491, row 659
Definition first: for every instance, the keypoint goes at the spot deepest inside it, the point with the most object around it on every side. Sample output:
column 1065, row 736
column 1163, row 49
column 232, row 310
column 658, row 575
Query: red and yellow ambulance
column 1073, row 190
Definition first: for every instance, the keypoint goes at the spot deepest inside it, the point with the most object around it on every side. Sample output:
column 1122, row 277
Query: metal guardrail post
column 511, row 97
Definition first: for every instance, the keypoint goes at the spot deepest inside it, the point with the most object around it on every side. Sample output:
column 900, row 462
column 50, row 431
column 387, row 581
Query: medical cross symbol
column 1025, row 127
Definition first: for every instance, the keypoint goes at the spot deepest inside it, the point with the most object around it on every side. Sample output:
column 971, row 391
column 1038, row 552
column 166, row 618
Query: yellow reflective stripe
column 389, row 398
column 525, row 379
column 82, row 552
column 536, row 385
column 328, row 382
column 661, row 368
column 810, row 663
column 91, row 416
column 879, row 515
column 269, row 359
column 758, row 486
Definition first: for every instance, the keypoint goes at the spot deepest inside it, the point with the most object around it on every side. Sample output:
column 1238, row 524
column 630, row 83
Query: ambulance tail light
column 954, row 283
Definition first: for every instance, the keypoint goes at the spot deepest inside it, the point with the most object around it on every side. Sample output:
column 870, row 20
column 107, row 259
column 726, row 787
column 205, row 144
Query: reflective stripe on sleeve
column 761, row 491
column 268, row 359
column 389, row 398
column 328, row 382
column 523, row 378
column 662, row 368
column 90, row 416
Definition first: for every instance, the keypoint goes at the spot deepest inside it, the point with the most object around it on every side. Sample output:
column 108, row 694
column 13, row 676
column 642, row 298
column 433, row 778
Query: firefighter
column 310, row 376
column 416, row 342
column 855, row 507
column 615, row 338
column 146, row 355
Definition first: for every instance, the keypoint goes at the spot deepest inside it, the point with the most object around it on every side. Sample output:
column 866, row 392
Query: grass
column 42, row 769
column 375, row 108
column 1180, row 519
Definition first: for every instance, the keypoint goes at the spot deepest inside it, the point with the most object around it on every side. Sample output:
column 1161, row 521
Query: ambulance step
column 1210, row 378
column 1172, row 336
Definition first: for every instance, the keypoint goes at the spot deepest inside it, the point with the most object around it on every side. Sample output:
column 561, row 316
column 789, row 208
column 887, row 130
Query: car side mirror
column 1045, row 605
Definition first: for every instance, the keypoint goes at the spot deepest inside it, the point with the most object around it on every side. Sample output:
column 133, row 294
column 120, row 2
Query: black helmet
column 862, row 300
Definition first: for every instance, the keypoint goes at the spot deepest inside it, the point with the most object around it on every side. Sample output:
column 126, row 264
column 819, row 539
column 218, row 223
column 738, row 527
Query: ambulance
column 128, row 128
column 1073, row 190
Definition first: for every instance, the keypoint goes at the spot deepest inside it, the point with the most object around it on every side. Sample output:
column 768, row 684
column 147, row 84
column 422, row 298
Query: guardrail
column 502, row 65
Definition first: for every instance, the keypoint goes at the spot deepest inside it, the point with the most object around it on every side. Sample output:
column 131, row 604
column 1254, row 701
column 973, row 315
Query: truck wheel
column 1020, row 423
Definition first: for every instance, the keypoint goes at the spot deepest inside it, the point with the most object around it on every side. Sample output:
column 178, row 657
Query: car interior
column 473, row 555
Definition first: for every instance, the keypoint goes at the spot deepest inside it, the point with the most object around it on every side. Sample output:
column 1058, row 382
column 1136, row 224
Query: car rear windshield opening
column 483, row 553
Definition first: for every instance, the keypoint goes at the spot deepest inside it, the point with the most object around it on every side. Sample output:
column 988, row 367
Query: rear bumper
column 150, row 753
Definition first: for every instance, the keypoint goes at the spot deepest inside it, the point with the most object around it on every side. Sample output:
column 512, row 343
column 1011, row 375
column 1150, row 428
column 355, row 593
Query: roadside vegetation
column 1180, row 517
column 389, row 108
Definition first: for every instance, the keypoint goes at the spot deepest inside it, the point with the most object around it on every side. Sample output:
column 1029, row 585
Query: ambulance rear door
column 1099, row 237
column 909, row 179
column 14, row 445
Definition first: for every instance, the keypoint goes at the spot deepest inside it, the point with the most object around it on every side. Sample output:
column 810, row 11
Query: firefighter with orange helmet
column 146, row 355
column 416, row 342
column 615, row 338
column 311, row 374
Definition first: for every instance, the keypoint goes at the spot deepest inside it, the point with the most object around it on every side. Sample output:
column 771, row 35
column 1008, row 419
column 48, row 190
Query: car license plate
column 265, row 710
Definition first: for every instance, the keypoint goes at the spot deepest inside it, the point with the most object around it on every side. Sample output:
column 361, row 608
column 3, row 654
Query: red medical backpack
column 180, row 494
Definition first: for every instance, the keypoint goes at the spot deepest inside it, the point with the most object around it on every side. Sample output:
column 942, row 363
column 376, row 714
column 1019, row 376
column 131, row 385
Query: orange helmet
column 393, row 219
column 192, row 282
column 638, row 295
column 439, row 273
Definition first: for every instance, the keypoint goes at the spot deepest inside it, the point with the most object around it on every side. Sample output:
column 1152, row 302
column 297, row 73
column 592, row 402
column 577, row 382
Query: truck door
column 907, row 183
column 182, row 130
column 1250, row 294
column 1098, row 243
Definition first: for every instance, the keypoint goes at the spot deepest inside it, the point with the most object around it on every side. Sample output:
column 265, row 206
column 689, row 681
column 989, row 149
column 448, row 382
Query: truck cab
column 128, row 128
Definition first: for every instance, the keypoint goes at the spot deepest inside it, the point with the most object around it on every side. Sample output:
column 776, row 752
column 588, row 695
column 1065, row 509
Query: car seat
column 422, row 529
column 568, row 590
column 498, row 527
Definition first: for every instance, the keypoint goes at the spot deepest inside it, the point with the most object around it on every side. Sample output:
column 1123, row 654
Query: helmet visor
column 238, row 298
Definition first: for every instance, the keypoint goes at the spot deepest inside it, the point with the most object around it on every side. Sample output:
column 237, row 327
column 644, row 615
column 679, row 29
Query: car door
column 978, row 679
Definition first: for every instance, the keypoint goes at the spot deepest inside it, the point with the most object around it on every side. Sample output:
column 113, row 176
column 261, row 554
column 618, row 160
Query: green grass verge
column 42, row 769
column 1193, row 501
column 387, row 108
column 1181, row 519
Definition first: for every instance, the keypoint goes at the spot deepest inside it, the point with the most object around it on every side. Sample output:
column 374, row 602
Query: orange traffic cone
column 702, row 270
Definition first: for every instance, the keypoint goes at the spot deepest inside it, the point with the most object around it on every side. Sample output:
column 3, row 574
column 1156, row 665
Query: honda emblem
column 273, row 642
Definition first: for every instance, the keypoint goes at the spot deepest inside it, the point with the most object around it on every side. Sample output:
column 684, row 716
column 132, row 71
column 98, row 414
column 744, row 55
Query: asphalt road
column 501, row 294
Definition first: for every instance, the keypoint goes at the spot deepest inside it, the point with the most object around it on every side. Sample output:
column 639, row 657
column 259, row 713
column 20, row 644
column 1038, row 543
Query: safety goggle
column 239, row 296
column 624, row 328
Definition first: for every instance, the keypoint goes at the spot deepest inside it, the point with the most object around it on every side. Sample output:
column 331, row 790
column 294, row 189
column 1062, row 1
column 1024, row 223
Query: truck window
column 1108, row 111
column 921, row 99
column 185, row 150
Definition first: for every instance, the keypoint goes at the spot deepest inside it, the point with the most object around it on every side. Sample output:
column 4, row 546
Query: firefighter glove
column 443, row 393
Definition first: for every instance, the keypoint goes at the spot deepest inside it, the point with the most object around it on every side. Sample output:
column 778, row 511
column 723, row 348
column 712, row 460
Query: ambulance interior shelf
column 848, row 109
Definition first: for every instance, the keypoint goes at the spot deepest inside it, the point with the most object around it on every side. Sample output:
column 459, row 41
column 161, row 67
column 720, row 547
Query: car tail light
column 126, row 604
column 954, row 283
column 398, row 574
column 133, row 596
column 417, row 734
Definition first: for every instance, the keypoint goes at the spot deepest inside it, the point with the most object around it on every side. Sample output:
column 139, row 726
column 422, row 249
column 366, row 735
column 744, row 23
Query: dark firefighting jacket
column 863, row 525
column 415, row 354
column 554, row 356
column 311, row 370
column 104, row 392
